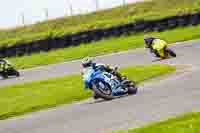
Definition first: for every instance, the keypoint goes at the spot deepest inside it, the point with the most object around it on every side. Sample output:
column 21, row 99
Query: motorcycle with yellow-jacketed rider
column 159, row 47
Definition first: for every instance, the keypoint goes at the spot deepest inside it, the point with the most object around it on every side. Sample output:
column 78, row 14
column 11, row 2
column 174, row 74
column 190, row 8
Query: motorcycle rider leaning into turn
column 155, row 45
column 87, row 62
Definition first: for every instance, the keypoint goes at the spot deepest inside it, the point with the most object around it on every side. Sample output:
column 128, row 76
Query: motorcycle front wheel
column 4, row 75
column 102, row 90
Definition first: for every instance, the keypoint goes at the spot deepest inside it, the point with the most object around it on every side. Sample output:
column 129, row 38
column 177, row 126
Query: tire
column 132, row 89
column 171, row 52
column 130, row 86
column 99, row 92
column 17, row 74
column 4, row 75
column 95, row 96
column 13, row 72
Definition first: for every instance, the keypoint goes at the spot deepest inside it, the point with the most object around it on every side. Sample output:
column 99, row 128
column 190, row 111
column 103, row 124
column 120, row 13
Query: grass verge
column 153, row 9
column 188, row 123
column 102, row 47
column 28, row 97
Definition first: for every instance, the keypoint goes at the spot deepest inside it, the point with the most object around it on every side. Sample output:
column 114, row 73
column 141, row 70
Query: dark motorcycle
column 9, row 71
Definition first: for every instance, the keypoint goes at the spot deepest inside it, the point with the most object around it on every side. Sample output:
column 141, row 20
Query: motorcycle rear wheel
column 17, row 74
column 170, row 52
column 132, row 88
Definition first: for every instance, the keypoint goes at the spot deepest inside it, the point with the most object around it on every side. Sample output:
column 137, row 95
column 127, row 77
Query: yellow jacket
column 159, row 44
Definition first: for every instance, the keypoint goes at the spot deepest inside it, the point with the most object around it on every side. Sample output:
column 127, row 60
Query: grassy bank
column 153, row 9
column 29, row 97
column 102, row 47
column 188, row 123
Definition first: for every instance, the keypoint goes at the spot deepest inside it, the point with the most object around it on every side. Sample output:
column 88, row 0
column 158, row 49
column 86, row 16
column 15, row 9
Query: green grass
column 37, row 95
column 153, row 9
column 188, row 123
column 102, row 47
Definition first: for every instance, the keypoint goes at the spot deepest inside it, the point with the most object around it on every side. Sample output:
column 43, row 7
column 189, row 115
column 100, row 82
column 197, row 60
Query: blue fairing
column 91, row 74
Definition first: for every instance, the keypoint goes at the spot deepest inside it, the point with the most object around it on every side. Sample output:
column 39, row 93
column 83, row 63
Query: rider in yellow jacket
column 156, row 45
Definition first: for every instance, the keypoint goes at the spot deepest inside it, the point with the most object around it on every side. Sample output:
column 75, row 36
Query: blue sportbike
column 106, row 85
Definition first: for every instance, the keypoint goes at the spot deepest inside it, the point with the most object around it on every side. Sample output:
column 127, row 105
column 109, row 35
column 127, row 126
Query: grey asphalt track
column 174, row 95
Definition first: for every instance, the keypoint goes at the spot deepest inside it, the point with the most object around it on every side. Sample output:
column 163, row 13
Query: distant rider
column 4, row 64
column 155, row 45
